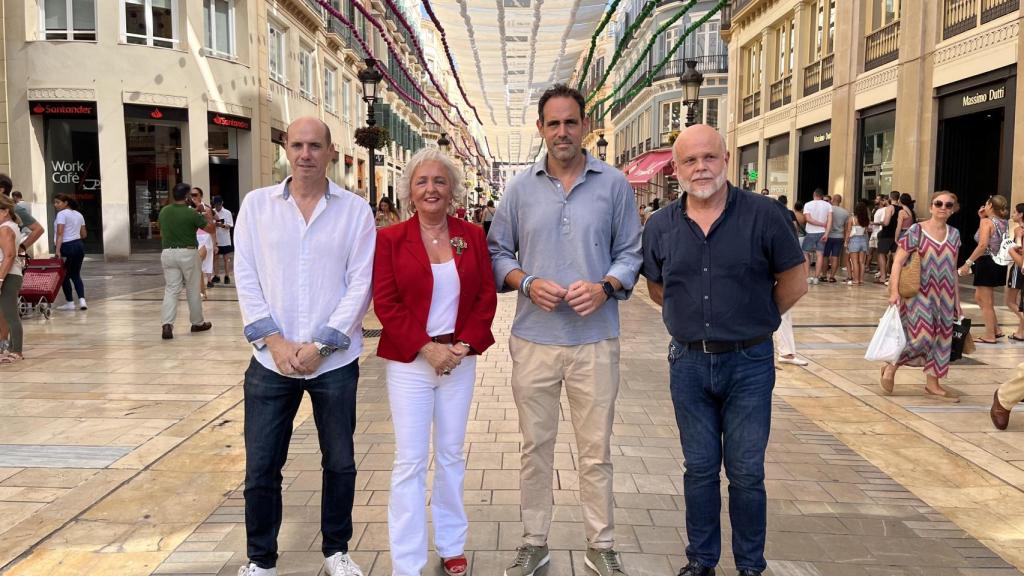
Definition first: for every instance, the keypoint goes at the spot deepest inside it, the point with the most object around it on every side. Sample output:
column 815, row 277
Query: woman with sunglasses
column 929, row 316
column 987, row 274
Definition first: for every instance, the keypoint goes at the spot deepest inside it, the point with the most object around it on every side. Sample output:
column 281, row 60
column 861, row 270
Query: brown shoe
column 202, row 327
column 168, row 332
column 1000, row 416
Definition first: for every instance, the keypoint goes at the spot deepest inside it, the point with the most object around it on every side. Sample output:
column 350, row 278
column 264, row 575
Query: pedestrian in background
column 1015, row 279
column 69, row 231
column 386, row 213
column 224, row 221
column 180, row 259
column 1011, row 392
column 857, row 242
column 488, row 216
column 987, row 274
column 433, row 292
column 206, row 252
column 836, row 237
column 303, row 271
column 10, row 281
column 567, row 238
column 30, row 231
column 818, row 217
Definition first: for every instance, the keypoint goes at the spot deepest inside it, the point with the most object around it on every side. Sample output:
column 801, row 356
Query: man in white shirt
column 818, row 213
column 303, row 291
column 225, row 222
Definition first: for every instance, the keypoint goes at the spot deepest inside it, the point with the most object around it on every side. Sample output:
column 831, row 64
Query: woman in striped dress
column 929, row 316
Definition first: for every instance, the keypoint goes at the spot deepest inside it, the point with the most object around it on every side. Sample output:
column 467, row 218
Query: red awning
column 648, row 166
column 632, row 165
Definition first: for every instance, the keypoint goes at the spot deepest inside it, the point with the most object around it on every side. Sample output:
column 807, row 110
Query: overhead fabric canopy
column 648, row 166
column 508, row 52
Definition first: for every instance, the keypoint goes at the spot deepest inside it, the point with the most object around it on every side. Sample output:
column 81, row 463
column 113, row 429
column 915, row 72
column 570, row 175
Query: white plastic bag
column 889, row 340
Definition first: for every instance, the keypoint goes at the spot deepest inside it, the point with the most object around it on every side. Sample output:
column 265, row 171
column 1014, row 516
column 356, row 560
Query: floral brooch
column 459, row 244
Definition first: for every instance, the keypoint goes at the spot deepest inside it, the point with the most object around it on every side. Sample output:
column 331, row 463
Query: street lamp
column 602, row 147
column 370, row 77
column 691, row 80
column 443, row 142
column 479, row 190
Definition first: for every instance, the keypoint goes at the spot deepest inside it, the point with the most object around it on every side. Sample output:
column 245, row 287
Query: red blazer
column 403, row 283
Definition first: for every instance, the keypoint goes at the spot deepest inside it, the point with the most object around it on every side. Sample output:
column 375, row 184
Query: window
column 669, row 118
column 711, row 119
column 824, row 22
column 306, row 72
column 346, row 91
column 68, row 19
column 220, row 27
column 277, row 42
column 784, row 37
column 754, row 62
column 150, row 22
column 883, row 13
column 330, row 90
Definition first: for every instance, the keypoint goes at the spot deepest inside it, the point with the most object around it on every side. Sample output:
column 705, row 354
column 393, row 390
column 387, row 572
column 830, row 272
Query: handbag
column 961, row 339
column 910, row 274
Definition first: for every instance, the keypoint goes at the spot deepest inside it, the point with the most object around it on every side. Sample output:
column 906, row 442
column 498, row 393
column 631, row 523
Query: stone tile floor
column 138, row 458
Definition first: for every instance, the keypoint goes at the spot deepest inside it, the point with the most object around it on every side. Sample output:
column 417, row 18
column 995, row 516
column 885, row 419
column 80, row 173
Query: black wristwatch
column 609, row 290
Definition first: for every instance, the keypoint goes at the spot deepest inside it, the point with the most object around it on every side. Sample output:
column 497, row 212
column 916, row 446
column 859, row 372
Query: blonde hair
column 7, row 203
column 430, row 155
column 944, row 193
column 1000, row 206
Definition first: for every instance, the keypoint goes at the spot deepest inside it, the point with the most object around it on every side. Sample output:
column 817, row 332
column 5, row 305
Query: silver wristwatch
column 324, row 350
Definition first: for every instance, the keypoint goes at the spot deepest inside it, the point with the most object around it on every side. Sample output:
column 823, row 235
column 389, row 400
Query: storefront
column 777, row 166
column 225, row 137
column 876, row 128
column 974, row 152
column 815, row 144
column 747, row 175
column 281, row 168
column 153, row 137
column 72, row 163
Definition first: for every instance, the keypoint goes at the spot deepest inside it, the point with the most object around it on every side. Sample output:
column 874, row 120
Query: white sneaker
column 814, row 281
column 70, row 306
column 341, row 564
column 81, row 304
column 253, row 570
column 794, row 361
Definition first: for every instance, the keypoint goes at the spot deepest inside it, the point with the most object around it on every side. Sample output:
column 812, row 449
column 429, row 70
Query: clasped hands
column 443, row 358
column 583, row 297
column 293, row 358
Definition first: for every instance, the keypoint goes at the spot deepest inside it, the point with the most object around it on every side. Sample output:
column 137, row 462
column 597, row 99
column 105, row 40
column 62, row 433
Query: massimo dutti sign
column 978, row 99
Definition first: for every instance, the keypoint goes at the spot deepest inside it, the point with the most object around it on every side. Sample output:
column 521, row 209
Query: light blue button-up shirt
column 586, row 234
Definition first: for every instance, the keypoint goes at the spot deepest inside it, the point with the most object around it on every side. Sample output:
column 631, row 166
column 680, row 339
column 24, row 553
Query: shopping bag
column 889, row 340
column 1002, row 257
column 961, row 338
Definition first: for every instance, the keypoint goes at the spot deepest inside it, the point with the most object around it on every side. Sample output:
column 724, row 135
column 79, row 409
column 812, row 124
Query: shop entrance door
column 813, row 173
column 968, row 163
column 224, row 182
column 154, row 167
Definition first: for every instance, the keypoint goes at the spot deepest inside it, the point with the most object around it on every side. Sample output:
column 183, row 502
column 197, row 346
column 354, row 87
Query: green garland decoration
column 593, row 41
column 654, row 72
column 647, row 10
column 647, row 49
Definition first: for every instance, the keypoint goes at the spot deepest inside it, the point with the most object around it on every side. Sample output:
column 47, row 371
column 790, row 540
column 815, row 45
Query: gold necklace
column 435, row 239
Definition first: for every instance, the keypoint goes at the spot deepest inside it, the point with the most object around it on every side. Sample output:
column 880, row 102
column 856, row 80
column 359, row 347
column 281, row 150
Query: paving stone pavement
column 831, row 512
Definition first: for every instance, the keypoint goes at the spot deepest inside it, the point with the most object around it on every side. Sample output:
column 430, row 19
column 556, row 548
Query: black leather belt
column 443, row 338
column 712, row 347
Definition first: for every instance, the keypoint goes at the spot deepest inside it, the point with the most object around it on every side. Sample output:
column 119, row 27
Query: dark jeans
column 73, row 253
column 271, row 401
column 723, row 405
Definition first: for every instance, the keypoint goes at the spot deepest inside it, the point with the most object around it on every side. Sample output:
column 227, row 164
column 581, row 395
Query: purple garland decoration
column 451, row 61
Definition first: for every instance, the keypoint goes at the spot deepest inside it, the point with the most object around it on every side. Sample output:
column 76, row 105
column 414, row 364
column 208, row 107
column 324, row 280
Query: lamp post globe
column 691, row 80
column 602, row 147
column 443, row 141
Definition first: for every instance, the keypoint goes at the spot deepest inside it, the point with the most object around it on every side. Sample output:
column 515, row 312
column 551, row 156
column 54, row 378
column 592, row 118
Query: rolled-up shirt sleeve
column 501, row 240
column 347, row 317
column 626, row 257
column 256, row 318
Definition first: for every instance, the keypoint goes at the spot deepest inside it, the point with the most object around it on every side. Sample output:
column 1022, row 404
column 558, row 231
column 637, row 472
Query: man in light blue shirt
column 567, row 237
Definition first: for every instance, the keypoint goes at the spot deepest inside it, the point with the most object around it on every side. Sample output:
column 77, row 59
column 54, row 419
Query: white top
column 305, row 280
column 72, row 221
column 16, row 268
column 819, row 210
column 878, row 220
column 204, row 239
column 224, row 234
column 444, row 299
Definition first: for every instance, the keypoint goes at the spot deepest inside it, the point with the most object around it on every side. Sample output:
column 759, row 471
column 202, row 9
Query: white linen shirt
column 310, row 282
column 224, row 234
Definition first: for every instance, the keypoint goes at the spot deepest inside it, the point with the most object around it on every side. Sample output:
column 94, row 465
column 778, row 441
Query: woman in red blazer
column 433, row 291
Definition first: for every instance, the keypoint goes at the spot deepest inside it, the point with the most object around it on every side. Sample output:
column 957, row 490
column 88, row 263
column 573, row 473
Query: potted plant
column 373, row 137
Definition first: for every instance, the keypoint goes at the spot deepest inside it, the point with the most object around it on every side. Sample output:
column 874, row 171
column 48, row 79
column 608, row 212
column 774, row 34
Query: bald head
column 697, row 135
column 308, row 123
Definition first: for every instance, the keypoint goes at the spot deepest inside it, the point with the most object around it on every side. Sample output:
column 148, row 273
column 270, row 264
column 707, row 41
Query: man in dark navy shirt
column 723, row 265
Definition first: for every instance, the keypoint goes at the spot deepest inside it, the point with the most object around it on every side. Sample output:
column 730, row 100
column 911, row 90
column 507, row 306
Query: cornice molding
column 148, row 98
column 814, row 102
column 85, row 94
column 878, row 79
column 1004, row 34
column 229, row 108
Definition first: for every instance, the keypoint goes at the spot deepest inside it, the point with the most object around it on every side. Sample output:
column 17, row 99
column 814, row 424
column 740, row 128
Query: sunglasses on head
column 941, row 204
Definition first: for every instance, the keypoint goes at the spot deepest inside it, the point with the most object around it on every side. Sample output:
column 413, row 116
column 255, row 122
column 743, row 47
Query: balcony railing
column 716, row 64
column 882, row 46
column 752, row 106
column 781, row 93
column 959, row 16
column 819, row 75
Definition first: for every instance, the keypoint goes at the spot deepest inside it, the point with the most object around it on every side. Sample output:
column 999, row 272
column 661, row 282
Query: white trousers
column 785, row 343
column 420, row 400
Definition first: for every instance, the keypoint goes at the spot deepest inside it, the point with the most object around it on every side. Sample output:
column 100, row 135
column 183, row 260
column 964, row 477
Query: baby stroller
column 41, row 283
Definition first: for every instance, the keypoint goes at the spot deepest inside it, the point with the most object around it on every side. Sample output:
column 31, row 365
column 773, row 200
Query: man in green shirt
column 180, row 258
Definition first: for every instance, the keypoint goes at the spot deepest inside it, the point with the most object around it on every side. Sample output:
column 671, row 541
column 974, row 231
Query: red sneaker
column 455, row 566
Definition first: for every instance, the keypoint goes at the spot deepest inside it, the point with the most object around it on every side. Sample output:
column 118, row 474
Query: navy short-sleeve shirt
column 720, row 287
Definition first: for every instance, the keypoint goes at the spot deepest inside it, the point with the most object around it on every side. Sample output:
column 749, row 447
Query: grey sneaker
column 528, row 560
column 251, row 569
column 604, row 562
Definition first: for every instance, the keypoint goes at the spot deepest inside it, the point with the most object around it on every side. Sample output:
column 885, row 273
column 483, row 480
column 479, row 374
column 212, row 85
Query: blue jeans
column 271, row 401
column 723, row 405
column 73, row 253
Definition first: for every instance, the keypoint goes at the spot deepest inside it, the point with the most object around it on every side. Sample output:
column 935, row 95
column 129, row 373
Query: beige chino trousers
column 1012, row 391
column 591, row 376
column 181, row 270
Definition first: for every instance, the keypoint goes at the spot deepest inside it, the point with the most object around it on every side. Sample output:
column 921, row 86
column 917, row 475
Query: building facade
column 646, row 125
column 116, row 105
column 863, row 97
